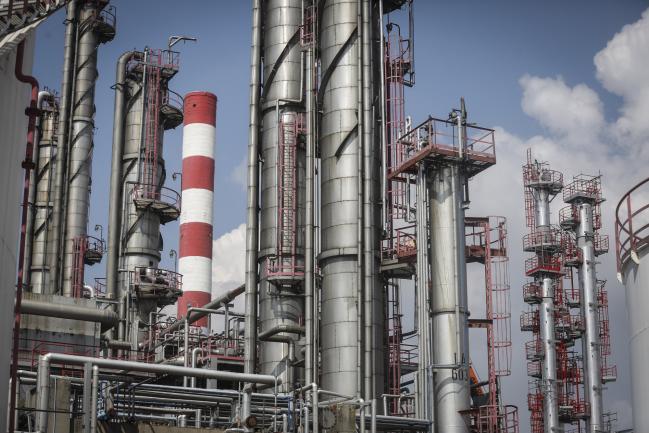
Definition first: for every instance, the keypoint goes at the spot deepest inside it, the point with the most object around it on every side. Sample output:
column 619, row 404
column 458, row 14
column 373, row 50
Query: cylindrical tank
column 281, row 255
column 632, row 250
column 449, row 305
column 43, row 196
column 195, row 252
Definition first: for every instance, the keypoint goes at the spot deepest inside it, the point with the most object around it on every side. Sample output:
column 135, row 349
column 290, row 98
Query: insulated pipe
column 252, row 226
column 450, row 342
column 115, row 200
column 195, row 253
column 309, row 268
column 55, row 247
column 424, row 403
column 107, row 318
column 28, row 164
column 45, row 361
column 590, row 340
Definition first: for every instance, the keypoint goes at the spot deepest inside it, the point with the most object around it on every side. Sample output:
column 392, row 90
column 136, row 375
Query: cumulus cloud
column 622, row 68
column 228, row 261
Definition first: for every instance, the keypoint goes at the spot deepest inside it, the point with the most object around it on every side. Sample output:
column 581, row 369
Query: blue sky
column 477, row 49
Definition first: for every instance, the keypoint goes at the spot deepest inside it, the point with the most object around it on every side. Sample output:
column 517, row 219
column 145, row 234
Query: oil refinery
column 356, row 312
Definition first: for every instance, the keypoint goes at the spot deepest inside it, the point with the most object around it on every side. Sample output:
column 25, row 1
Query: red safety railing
column 534, row 349
column 168, row 196
column 529, row 321
column 542, row 239
column 584, row 187
column 532, row 292
column 154, row 276
column 632, row 224
column 544, row 263
column 498, row 419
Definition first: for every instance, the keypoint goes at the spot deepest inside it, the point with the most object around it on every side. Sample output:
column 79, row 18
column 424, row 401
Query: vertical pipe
column 63, row 146
column 93, row 403
column 369, row 238
column 309, row 358
column 450, row 351
column 252, row 226
column 87, row 396
column 28, row 164
column 422, row 302
column 115, row 201
column 590, row 340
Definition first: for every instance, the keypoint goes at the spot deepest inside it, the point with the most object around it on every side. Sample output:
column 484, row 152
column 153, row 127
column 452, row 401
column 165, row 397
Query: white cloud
column 228, row 261
column 575, row 113
column 622, row 68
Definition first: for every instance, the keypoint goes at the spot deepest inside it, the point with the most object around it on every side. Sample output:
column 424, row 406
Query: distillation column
column 341, row 257
column 145, row 203
column 93, row 30
column 195, row 244
column 588, row 294
column 449, row 305
column 44, row 176
column 543, row 184
column 281, row 254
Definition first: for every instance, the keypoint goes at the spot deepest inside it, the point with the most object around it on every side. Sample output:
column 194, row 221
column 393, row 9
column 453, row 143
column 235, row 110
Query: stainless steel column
column 58, row 221
column 591, row 343
column 81, row 140
column 339, row 151
column 546, row 321
column 450, row 338
column 43, row 194
column 280, row 303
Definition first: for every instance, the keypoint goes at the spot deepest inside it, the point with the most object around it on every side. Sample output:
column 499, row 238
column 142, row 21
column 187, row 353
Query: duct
column 107, row 318
column 252, row 226
column 339, row 207
column 282, row 188
column 45, row 361
column 449, row 309
column 591, row 343
column 58, row 221
column 114, row 203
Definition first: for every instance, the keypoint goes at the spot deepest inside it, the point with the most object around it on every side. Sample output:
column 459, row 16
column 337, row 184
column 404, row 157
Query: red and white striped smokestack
column 195, row 256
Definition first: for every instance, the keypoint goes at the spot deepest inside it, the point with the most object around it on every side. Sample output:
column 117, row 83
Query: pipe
column 93, row 401
column 271, row 334
column 115, row 197
column 369, row 263
column 58, row 221
column 45, row 361
column 28, row 165
column 309, row 267
column 252, row 222
column 195, row 352
column 107, row 318
column 188, row 322
column 226, row 298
